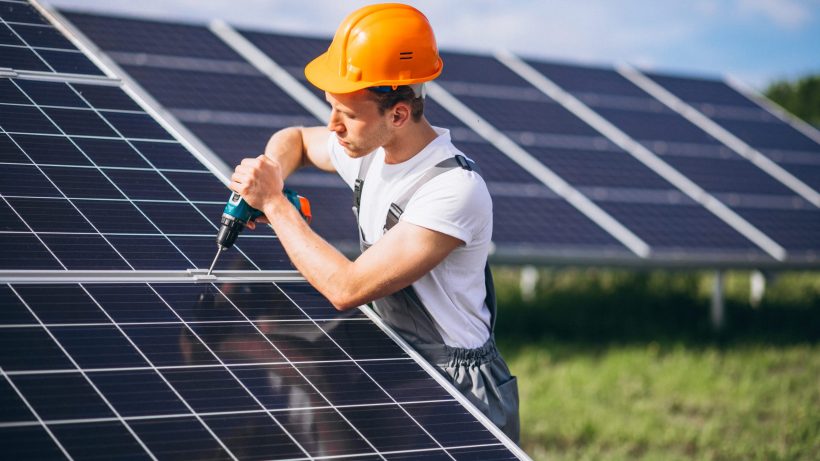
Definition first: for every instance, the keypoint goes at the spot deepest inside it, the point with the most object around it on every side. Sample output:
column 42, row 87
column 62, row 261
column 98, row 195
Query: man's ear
column 400, row 114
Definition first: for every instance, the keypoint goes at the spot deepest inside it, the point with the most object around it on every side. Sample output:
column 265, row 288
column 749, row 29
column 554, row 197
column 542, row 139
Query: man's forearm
column 324, row 267
column 286, row 146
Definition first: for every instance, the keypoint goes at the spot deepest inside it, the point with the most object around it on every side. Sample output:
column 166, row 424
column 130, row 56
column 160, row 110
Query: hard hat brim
column 325, row 76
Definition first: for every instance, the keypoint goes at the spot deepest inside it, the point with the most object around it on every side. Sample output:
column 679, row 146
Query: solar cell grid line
column 63, row 194
column 33, row 44
column 36, row 415
column 317, row 390
column 152, row 366
column 85, row 376
column 255, row 398
column 437, row 442
column 215, row 164
column 79, row 146
column 169, row 182
column 37, row 263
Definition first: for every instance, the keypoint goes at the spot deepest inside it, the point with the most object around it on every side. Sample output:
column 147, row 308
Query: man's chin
column 354, row 153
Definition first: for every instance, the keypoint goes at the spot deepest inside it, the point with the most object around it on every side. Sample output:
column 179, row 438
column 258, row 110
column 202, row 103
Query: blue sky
column 754, row 41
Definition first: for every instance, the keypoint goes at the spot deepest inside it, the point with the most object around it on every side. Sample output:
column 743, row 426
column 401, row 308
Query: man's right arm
column 296, row 147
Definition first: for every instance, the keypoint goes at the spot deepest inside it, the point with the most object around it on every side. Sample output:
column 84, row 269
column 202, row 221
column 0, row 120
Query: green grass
column 620, row 365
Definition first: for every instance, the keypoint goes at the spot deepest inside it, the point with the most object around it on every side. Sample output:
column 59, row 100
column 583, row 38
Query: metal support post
column 527, row 282
column 718, row 309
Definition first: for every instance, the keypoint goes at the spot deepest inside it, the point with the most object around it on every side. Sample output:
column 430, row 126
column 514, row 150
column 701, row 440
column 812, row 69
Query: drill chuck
column 229, row 230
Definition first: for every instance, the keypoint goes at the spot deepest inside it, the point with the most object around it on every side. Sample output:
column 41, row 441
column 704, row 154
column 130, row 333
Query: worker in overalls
column 423, row 210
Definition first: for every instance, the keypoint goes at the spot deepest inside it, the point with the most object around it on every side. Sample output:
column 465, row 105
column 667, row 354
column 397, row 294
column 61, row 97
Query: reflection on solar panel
column 113, row 344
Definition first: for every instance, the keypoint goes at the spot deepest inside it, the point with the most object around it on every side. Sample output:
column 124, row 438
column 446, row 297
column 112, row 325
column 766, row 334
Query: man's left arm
column 399, row 258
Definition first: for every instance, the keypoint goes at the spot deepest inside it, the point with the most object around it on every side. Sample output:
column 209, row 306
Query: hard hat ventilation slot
column 405, row 55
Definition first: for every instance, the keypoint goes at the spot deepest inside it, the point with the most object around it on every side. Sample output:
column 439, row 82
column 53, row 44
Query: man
column 424, row 213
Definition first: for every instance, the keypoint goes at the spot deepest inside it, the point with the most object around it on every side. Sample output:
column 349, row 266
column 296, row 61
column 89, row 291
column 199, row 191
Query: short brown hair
column 403, row 93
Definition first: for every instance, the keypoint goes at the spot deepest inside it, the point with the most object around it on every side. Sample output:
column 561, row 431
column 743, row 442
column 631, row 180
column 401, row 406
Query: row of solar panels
column 97, row 199
column 584, row 164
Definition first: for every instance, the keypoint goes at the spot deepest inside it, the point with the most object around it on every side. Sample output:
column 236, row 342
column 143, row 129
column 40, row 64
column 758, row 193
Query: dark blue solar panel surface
column 292, row 53
column 197, row 370
column 155, row 37
column 29, row 42
column 80, row 163
column 550, row 222
column 788, row 147
column 679, row 227
column 289, row 51
column 688, row 149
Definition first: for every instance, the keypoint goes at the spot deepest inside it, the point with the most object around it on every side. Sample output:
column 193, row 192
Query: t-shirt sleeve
column 455, row 203
column 347, row 167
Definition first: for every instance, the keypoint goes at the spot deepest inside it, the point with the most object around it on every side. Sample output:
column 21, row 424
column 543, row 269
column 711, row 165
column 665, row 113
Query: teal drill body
column 237, row 214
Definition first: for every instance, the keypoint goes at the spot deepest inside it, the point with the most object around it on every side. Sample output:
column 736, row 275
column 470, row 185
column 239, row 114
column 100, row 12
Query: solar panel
column 106, row 363
column 736, row 181
column 211, row 369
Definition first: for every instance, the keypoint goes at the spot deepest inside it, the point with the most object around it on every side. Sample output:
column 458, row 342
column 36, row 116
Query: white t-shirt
column 455, row 203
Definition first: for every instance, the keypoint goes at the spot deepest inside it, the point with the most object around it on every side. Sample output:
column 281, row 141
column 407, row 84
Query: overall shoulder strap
column 397, row 207
column 364, row 167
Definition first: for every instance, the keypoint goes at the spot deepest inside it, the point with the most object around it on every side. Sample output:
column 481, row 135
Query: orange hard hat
column 388, row 44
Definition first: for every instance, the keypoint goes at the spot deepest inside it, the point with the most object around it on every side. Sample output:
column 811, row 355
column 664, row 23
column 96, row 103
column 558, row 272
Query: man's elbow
column 344, row 300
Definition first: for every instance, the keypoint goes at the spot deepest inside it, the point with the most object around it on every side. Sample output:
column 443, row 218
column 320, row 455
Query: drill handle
column 301, row 203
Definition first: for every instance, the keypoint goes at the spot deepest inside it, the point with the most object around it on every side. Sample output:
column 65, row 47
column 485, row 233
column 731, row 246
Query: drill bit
column 213, row 264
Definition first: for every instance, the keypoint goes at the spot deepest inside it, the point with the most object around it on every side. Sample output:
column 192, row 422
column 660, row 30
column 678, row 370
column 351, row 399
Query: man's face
column 358, row 125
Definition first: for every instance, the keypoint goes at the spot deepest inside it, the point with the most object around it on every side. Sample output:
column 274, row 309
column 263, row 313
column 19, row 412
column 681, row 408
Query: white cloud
column 789, row 14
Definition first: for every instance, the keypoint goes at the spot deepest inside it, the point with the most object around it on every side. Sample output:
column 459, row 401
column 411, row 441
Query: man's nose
column 334, row 123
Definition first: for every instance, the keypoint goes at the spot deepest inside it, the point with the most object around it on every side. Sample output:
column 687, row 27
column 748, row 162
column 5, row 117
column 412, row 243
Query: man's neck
column 409, row 141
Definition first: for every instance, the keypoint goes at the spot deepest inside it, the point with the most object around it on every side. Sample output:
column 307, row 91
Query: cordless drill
column 238, row 213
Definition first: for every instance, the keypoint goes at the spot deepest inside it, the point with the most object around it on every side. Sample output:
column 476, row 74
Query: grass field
column 624, row 365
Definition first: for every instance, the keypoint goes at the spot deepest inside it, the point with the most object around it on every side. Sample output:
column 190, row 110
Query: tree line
column 800, row 97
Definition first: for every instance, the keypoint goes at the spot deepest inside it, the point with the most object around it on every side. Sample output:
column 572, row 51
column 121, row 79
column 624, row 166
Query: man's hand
column 258, row 180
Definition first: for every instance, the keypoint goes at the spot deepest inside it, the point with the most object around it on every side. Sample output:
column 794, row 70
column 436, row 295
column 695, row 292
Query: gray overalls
column 480, row 374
